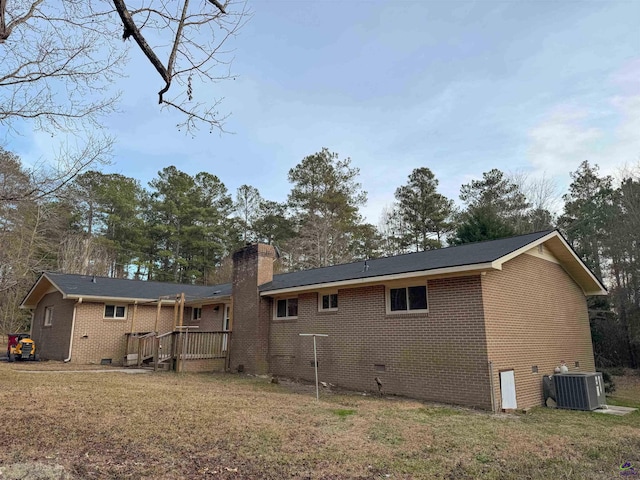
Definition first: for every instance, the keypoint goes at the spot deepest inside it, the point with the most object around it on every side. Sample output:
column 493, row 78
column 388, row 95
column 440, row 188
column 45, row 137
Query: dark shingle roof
column 83, row 285
column 469, row 254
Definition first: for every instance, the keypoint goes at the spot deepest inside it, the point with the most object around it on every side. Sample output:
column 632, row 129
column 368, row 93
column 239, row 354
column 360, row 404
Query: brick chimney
column 252, row 267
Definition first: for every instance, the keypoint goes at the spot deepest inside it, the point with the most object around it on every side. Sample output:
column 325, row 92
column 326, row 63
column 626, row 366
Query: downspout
column 33, row 315
column 73, row 327
column 493, row 393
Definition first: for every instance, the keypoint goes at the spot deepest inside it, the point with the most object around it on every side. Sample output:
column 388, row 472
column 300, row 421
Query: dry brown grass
column 166, row 426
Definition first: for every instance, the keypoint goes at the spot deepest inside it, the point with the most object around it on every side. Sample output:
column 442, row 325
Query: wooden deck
column 173, row 348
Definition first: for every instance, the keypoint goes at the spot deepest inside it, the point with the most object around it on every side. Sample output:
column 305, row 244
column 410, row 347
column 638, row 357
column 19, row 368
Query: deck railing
column 199, row 345
column 165, row 348
column 146, row 347
column 133, row 340
column 172, row 346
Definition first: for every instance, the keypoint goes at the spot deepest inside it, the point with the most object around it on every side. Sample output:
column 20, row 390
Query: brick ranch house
column 86, row 319
column 475, row 325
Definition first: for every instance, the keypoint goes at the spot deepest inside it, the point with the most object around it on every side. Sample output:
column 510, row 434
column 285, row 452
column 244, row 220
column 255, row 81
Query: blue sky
column 459, row 87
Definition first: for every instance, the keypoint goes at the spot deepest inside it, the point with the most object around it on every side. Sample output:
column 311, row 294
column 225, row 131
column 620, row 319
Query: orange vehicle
column 21, row 347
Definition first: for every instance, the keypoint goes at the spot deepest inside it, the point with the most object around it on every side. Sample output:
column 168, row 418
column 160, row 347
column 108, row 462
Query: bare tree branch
column 130, row 29
column 56, row 63
column 5, row 30
column 219, row 5
column 48, row 178
column 58, row 60
column 194, row 52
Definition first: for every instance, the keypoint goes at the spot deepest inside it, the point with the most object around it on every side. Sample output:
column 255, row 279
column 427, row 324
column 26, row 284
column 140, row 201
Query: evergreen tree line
column 182, row 228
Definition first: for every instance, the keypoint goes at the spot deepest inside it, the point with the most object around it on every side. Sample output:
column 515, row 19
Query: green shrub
column 609, row 384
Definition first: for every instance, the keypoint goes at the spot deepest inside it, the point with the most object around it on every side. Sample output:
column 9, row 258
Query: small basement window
column 287, row 308
column 115, row 311
column 408, row 299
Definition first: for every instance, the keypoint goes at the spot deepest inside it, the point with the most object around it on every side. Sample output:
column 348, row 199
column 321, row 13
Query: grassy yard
column 156, row 426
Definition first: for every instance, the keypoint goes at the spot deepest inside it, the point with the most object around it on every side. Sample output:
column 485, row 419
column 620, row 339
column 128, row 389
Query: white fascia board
column 35, row 285
column 498, row 263
column 127, row 300
column 603, row 289
column 208, row 300
column 596, row 292
column 381, row 279
column 139, row 301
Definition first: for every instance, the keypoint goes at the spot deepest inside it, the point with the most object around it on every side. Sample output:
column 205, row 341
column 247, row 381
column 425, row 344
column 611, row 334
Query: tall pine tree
column 427, row 214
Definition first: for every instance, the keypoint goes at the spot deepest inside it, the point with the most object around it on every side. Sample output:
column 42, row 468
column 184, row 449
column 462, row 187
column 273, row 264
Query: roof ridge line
column 546, row 232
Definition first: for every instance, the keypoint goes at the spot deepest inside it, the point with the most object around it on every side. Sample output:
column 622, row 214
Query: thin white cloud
column 603, row 130
column 562, row 140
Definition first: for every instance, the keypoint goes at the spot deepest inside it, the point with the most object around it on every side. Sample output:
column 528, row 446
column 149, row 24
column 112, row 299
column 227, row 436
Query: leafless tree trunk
column 28, row 232
column 80, row 253
column 541, row 192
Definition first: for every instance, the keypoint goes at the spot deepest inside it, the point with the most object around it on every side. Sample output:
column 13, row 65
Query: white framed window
column 196, row 313
column 118, row 312
column 409, row 298
column 286, row 308
column 48, row 316
column 328, row 301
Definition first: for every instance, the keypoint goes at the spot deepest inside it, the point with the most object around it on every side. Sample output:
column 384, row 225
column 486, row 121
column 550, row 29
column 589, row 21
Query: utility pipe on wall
column 73, row 327
column 133, row 317
column 33, row 316
column 493, row 393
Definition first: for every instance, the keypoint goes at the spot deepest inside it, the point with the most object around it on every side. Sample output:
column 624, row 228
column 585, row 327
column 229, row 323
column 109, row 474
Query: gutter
column 73, row 328
column 143, row 301
column 462, row 270
column 33, row 315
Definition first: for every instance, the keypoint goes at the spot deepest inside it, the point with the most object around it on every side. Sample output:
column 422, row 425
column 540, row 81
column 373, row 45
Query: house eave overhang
column 44, row 283
column 356, row 282
column 33, row 297
column 568, row 259
column 554, row 241
column 209, row 300
column 168, row 299
column 102, row 299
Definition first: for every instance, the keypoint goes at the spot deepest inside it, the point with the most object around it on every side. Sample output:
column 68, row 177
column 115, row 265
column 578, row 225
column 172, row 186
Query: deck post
column 156, row 356
column 158, row 314
column 133, row 317
column 181, row 309
column 227, row 359
column 175, row 311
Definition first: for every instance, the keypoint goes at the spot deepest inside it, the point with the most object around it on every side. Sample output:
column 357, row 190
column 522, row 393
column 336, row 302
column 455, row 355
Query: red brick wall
column 204, row 365
column 211, row 320
column 96, row 337
column 252, row 266
column 52, row 343
column 535, row 314
column 440, row 356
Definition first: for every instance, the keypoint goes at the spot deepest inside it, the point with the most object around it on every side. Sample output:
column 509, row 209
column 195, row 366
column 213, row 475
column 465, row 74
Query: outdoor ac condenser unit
column 580, row 391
